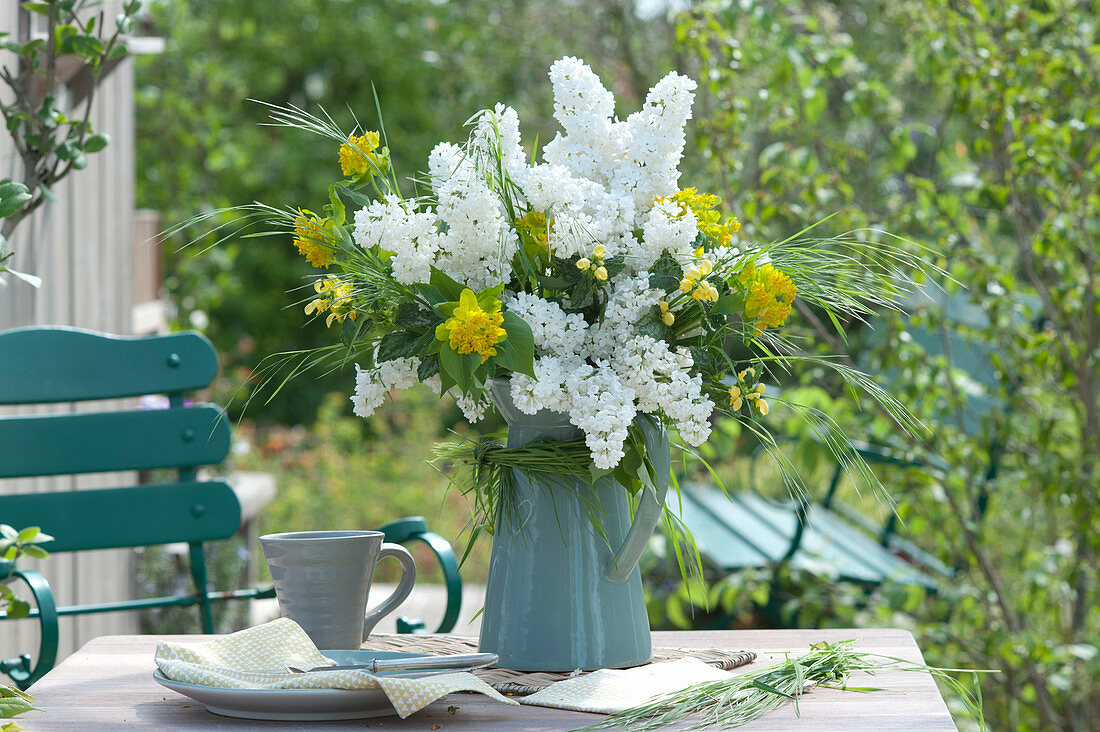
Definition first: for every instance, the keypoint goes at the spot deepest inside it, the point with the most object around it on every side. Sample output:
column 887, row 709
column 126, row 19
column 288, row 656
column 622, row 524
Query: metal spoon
column 464, row 662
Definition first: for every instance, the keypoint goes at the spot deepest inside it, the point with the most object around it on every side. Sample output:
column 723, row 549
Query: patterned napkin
column 611, row 690
column 257, row 658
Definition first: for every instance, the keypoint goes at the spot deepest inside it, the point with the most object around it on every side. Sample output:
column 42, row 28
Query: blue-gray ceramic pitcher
column 560, row 596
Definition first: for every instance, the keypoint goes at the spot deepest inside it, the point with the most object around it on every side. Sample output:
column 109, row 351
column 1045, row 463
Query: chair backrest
column 50, row 365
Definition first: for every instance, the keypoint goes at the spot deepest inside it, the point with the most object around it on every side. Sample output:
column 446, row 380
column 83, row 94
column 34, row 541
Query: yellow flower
column 583, row 264
column 762, row 407
column 735, row 398
column 666, row 317
column 314, row 237
column 535, row 232
column 599, row 251
column 334, row 296
column 472, row 329
column 600, row 273
column 703, row 206
column 769, row 295
column 358, row 155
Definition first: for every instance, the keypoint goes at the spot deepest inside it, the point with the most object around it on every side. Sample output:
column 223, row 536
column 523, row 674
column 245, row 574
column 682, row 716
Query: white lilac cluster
column 601, row 181
column 632, row 373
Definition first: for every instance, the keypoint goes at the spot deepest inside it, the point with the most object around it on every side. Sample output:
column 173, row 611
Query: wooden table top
column 108, row 685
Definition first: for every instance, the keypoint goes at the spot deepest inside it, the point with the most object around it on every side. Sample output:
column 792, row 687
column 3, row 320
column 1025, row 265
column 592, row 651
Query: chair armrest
column 19, row 668
column 415, row 529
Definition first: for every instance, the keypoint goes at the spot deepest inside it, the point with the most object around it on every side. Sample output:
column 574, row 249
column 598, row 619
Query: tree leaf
column 12, row 197
column 38, row 7
column 18, row 608
column 96, row 142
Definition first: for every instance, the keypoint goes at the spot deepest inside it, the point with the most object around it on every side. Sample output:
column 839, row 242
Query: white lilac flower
column 479, row 243
column 410, row 235
column 665, row 228
column 473, row 408
column 603, row 407
column 555, row 332
column 371, row 387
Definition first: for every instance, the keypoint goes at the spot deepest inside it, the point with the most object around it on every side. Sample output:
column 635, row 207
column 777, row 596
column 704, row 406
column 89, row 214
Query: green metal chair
column 747, row 530
column 51, row 365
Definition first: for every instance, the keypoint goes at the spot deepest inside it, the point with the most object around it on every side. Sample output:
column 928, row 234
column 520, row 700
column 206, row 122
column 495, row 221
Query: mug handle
column 404, row 587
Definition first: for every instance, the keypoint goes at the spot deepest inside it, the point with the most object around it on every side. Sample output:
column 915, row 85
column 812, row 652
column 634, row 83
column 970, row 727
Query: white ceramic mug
column 323, row 578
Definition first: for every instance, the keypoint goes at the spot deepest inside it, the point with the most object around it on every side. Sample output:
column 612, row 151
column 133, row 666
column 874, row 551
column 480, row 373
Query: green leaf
column 69, row 150
column 12, row 197
column 8, row 532
column 28, row 533
column 41, row 538
column 443, row 282
column 38, row 7
column 36, row 552
column 87, row 46
column 489, row 296
column 517, row 351
column 581, row 292
column 429, row 367
column 431, row 294
column 335, row 207
column 398, row 344
column 460, row 367
column 410, row 315
column 96, row 142
column 650, row 324
column 729, row 304
column 18, row 608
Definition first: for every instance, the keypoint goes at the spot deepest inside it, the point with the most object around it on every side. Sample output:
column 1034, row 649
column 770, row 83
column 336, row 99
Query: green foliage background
column 970, row 127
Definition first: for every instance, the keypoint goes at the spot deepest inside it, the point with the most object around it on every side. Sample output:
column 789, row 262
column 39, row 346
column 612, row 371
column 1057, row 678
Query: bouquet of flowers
column 603, row 288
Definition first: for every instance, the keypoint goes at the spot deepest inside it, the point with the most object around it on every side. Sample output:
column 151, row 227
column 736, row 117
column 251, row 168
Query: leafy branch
column 13, row 545
column 50, row 141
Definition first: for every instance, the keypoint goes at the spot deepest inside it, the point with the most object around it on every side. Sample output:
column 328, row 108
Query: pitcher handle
column 623, row 562
column 404, row 587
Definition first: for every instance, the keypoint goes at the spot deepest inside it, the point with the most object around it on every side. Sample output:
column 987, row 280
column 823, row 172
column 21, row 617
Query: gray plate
column 297, row 705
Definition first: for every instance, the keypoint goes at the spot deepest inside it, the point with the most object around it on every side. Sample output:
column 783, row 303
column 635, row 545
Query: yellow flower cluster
column 742, row 393
column 666, row 317
column 359, row 155
column 314, row 236
column 537, row 231
column 695, row 282
column 471, row 329
column 769, row 295
column 703, row 205
column 595, row 265
column 335, row 297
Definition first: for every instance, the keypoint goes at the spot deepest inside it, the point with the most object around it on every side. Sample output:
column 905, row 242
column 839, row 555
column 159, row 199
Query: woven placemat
column 522, row 683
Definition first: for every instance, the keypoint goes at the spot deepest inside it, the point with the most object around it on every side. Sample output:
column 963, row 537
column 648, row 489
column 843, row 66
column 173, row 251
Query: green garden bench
column 746, row 530
column 55, row 365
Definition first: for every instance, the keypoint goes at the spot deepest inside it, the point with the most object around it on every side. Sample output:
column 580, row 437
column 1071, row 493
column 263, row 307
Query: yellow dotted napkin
column 609, row 691
column 257, row 658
